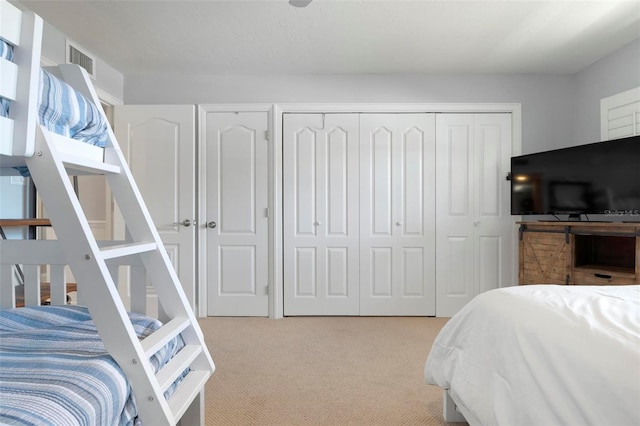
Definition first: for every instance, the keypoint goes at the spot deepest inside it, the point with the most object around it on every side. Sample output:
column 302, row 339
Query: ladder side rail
column 99, row 291
column 141, row 228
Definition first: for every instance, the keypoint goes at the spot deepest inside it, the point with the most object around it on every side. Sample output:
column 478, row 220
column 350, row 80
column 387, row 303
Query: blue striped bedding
column 54, row 369
column 61, row 109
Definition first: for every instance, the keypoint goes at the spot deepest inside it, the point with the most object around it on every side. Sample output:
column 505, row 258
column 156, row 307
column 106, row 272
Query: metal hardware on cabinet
column 212, row 224
column 186, row 223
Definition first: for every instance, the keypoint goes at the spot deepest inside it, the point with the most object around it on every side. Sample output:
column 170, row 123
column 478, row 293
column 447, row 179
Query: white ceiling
column 347, row 36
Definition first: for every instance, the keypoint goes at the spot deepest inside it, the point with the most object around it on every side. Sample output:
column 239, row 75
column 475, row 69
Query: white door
column 474, row 232
column 321, row 212
column 158, row 142
column 397, row 219
column 234, row 184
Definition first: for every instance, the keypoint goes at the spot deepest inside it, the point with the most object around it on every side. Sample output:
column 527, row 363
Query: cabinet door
column 320, row 177
column 544, row 258
column 397, row 219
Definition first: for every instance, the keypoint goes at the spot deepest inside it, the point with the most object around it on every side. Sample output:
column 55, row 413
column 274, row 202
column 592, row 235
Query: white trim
column 400, row 107
column 108, row 98
column 203, row 109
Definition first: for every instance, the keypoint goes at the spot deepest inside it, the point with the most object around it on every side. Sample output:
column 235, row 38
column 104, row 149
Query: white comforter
column 543, row 355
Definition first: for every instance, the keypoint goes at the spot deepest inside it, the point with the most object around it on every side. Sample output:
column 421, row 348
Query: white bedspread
column 543, row 355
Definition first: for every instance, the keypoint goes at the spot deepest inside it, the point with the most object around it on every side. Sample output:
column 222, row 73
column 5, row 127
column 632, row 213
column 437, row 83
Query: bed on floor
column 93, row 363
column 542, row 355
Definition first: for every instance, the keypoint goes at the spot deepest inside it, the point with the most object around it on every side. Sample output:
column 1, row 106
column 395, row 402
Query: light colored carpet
column 321, row 371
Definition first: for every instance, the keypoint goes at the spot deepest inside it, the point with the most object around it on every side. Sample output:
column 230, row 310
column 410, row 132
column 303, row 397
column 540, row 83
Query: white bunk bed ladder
column 91, row 265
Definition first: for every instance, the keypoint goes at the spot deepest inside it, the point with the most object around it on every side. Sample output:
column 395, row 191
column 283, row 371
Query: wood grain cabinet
column 580, row 253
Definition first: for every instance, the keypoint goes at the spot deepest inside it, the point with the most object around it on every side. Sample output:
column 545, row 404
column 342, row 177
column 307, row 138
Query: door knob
column 211, row 224
column 185, row 223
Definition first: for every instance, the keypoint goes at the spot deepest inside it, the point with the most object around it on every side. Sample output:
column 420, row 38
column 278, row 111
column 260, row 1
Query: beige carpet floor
column 321, row 371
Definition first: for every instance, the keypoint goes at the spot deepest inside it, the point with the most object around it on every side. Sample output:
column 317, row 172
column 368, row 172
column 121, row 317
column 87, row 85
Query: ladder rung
column 79, row 157
column 122, row 250
column 187, row 391
column 177, row 365
column 80, row 165
column 152, row 343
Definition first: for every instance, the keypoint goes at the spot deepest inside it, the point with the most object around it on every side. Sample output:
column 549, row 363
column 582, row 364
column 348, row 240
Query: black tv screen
column 597, row 178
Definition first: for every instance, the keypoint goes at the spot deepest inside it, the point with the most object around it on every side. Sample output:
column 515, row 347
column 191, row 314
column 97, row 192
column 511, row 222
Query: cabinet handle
column 605, row 276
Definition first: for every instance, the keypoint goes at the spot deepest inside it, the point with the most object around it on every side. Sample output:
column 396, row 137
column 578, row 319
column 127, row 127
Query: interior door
column 321, row 212
column 158, row 142
column 234, row 184
column 397, row 220
column 474, row 232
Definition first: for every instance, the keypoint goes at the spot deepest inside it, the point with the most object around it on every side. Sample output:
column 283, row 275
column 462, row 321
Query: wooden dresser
column 598, row 253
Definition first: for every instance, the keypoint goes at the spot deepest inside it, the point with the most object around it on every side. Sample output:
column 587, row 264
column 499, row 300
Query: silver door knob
column 211, row 224
column 476, row 223
column 185, row 223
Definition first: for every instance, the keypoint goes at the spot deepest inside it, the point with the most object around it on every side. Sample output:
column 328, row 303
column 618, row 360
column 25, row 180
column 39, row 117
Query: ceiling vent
column 76, row 55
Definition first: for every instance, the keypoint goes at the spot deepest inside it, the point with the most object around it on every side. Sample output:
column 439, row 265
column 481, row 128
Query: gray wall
column 557, row 110
column 108, row 79
column 546, row 100
column 614, row 74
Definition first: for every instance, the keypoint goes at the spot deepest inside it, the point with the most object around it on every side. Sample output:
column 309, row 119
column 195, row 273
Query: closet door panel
column 397, row 221
column 413, row 184
column 493, row 223
column 321, row 211
column 474, row 225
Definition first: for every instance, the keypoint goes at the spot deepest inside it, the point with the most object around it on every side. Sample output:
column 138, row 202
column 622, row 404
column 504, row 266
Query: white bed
column 542, row 355
column 51, row 127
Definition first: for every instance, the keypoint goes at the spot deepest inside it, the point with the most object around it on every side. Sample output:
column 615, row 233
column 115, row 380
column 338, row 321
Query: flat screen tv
column 596, row 178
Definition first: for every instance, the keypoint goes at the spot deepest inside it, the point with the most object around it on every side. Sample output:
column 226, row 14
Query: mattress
column 54, row 368
column 543, row 355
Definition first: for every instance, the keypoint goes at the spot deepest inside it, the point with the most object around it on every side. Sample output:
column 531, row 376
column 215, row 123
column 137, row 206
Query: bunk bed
column 96, row 362
column 541, row 355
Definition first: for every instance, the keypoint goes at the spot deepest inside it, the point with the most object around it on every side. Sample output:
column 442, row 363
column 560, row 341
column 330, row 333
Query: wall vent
column 79, row 56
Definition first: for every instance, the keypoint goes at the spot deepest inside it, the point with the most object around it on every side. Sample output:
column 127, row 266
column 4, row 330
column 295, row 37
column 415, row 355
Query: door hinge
column 267, row 213
column 266, row 290
column 266, row 135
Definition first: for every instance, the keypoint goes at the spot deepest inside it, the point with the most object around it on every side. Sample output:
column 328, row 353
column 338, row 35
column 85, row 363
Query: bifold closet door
column 234, row 219
column 474, row 225
column 321, row 212
column 397, row 215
